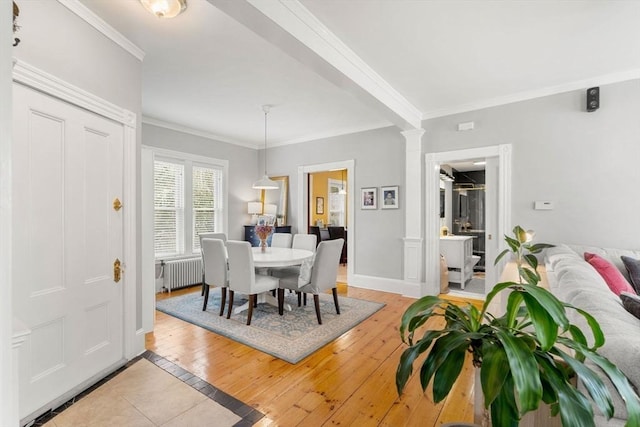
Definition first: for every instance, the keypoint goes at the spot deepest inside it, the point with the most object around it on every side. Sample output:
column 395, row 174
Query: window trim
column 189, row 160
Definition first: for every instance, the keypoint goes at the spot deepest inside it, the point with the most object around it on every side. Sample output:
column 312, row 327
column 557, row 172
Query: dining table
column 275, row 257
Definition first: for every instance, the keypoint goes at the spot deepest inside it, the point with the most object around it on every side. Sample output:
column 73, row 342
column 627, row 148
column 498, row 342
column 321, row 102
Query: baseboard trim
column 404, row 288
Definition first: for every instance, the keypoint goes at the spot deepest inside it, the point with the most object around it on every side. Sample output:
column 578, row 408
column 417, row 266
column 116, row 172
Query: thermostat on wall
column 543, row 205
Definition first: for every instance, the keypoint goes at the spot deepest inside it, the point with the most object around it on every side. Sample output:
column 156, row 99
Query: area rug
column 290, row 337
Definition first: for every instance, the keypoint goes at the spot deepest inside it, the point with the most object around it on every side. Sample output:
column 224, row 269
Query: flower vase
column 263, row 245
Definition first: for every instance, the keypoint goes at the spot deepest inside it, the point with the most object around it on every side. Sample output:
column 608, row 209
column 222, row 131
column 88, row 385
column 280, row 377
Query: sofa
column 575, row 281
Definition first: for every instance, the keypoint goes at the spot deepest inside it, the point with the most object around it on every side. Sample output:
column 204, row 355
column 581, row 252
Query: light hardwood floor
column 350, row 381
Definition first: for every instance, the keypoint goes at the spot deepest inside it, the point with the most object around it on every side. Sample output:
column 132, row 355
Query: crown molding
column 36, row 78
column 331, row 134
column 533, row 94
column 99, row 24
column 196, row 132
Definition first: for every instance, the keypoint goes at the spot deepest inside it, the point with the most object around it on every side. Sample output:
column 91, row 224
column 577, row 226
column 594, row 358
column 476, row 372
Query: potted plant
column 529, row 354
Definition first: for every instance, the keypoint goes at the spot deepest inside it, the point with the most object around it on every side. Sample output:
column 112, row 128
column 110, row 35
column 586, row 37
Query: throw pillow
column 610, row 273
column 631, row 302
column 633, row 267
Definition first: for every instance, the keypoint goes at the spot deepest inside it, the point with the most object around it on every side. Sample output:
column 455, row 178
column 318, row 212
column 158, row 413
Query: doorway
column 496, row 201
column 463, row 224
column 308, row 204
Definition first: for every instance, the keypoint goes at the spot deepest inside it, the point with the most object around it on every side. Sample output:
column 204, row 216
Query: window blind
column 168, row 208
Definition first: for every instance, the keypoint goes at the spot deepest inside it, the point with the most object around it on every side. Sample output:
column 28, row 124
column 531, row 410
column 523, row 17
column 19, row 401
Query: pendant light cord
column 266, row 110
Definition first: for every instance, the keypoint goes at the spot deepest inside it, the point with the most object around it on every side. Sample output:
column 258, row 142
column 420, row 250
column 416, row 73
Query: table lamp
column 254, row 209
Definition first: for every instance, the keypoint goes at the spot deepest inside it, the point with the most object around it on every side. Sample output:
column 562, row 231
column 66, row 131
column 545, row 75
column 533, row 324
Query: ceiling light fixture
column 342, row 190
column 165, row 8
column 445, row 176
column 265, row 183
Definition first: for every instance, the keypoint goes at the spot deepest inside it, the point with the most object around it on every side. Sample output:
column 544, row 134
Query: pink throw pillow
column 610, row 273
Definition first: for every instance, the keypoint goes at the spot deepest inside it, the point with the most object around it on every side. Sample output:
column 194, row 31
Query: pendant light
column 265, row 183
column 342, row 190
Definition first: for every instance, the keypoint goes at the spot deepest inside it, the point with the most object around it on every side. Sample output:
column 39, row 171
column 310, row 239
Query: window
column 337, row 203
column 188, row 200
column 206, row 197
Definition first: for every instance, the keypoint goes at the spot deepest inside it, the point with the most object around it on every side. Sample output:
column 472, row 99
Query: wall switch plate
column 465, row 126
column 542, row 205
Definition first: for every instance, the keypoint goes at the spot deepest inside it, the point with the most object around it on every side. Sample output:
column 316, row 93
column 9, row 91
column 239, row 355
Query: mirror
column 279, row 197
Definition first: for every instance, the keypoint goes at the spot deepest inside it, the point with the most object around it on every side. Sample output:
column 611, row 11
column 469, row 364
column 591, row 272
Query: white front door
column 67, row 169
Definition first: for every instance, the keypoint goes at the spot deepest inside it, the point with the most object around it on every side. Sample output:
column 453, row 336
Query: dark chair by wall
column 316, row 231
column 339, row 233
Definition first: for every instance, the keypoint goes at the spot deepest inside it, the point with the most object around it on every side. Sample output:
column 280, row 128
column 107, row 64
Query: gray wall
column 243, row 163
column 379, row 161
column 586, row 163
column 57, row 41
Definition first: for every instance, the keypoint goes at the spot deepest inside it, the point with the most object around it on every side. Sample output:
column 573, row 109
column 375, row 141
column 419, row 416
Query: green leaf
column 441, row 349
column 616, row 376
column 448, row 372
column 575, row 409
column 504, row 411
column 405, row 366
column 424, row 304
column 499, row 257
column 520, row 233
column 592, row 382
column 545, row 327
column 531, row 277
column 524, row 370
column 596, row 331
column 532, row 260
column 513, row 243
column 534, row 249
column 513, row 307
column 492, row 372
column 491, row 295
column 550, row 304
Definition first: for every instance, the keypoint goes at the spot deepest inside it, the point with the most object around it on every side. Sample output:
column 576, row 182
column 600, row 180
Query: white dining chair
column 243, row 279
column 281, row 240
column 214, row 256
column 300, row 241
column 323, row 275
column 220, row 236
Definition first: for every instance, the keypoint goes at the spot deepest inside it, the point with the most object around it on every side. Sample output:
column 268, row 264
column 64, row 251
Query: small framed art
column 369, row 198
column 389, row 197
column 320, row 205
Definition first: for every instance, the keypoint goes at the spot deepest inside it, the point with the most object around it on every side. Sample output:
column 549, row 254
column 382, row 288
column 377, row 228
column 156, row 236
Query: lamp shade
column 254, row 208
column 270, row 209
column 165, row 8
column 265, row 183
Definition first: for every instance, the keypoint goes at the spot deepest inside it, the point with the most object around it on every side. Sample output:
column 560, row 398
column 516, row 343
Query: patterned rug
column 290, row 337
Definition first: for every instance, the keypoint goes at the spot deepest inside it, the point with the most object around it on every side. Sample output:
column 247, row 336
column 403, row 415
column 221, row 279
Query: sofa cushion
column 633, row 268
column 610, row 273
column 631, row 303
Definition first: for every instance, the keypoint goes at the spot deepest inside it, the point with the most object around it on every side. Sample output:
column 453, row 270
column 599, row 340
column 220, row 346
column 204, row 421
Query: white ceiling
column 208, row 72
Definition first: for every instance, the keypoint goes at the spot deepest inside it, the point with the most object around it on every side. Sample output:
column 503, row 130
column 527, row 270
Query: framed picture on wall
column 369, row 198
column 319, row 205
column 389, row 197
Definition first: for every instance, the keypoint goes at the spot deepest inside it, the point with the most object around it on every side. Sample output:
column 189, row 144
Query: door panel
column 67, row 171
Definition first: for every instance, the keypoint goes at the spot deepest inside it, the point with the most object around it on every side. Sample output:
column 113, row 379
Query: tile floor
column 151, row 391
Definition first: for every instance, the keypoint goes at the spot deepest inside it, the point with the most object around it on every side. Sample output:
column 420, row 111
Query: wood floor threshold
column 350, row 381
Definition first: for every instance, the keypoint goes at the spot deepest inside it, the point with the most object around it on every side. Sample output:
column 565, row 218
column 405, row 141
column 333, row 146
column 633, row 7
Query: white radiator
column 182, row 272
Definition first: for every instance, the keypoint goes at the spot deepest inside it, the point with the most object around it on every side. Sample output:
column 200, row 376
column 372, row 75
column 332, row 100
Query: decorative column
column 413, row 242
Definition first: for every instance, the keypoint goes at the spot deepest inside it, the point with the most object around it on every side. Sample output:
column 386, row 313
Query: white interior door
column 68, row 169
